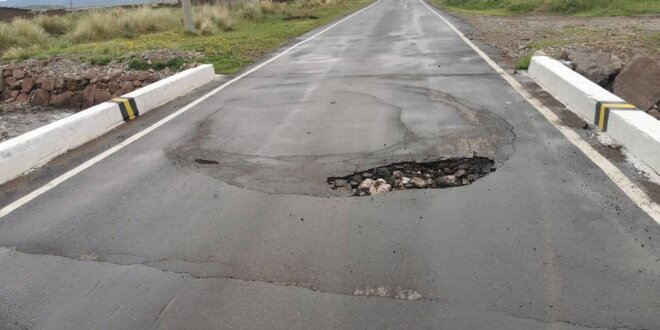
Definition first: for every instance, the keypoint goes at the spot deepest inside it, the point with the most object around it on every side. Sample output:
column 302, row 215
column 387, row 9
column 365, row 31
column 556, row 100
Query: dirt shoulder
column 517, row 37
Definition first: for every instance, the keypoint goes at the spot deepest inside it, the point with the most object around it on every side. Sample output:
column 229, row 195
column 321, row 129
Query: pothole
column 446, row 173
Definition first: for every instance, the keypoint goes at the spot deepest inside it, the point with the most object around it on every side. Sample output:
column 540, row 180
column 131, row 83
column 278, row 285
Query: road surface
column 254, row 237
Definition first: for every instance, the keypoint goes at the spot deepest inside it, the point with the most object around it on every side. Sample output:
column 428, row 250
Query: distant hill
column 76, row 3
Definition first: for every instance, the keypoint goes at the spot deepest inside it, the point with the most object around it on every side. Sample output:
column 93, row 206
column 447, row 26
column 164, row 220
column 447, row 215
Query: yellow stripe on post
column 601, row 117
column 617, row 105
column 129, row 109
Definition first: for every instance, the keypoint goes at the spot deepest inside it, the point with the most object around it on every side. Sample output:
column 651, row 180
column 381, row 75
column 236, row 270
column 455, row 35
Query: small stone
column 48, row 84
column 127, row 87
column 354, row 184
column 101, row 96
column 22, row 98
column 382, row 172
column 366, row 175
column 6, row 94
column 91, row 74
column 113, row 86
column 405, row 180
column 381, row 181
column 419, row 183
column 365, row 185
column 460, row 173
column 141, row 75
column 27, row 85
column 384, row 187
column 137, row 83
column 40, row 98
column 61, row 100
column 19, row 74
column 59, row 83
column 17, row 85
column 88, row 96
column 75, row 101
column 397, row 175
column 115, row 73
column 9, row 81
column 340, row 183
column 448, row 180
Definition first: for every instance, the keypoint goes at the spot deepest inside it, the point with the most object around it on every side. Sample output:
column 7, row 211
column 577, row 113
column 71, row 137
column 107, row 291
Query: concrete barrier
column 634, row 129
column 32, row 149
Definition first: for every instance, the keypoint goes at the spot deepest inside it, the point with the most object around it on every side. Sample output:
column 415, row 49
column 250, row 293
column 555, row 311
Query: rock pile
column 28, row 84
column 637, row 82
column 62, row 82
column 412, row 175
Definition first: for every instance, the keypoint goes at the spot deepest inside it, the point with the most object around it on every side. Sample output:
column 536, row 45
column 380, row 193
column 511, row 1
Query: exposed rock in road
column 419, row 183
column 411, row 175
column 639, row 83
column 365, row 186
column 596, row 66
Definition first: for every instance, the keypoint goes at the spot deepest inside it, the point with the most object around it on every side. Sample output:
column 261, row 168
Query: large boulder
column 597, row 67
column 639, row 83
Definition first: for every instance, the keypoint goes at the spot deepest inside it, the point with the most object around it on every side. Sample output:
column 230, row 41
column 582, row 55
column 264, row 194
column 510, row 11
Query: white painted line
column 636, row 194
column 55, row 182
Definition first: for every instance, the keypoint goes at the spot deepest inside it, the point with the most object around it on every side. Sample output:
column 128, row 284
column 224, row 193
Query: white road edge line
column 636, row 194
column 57, row 181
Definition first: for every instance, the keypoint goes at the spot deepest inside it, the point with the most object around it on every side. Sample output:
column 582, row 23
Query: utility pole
column 71, row 4
column 188, row 16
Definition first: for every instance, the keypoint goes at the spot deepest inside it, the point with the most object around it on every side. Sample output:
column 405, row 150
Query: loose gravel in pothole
column 445, row 173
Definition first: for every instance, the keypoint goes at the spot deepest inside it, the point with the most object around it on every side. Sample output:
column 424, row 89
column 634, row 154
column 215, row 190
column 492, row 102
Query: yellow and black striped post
column 128, row 107
column 603, row 112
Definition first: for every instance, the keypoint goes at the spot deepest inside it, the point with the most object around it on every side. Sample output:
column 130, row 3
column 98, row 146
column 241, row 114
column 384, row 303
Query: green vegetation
column 228, row 36
column 573, row 7
column 172, row 63
column 524, row 62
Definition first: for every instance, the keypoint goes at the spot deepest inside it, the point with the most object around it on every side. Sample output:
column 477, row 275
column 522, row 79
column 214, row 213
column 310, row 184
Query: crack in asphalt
column 369, row 293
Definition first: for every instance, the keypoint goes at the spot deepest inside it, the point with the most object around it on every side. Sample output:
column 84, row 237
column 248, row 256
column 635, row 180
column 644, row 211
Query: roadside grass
column 564, row 7
column 229, row 37
column 524, row 62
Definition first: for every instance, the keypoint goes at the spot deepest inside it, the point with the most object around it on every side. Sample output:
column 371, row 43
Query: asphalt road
column 148, row 238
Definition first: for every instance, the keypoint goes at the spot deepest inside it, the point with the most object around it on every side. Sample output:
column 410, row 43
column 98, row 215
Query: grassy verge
column 571, row 7
column 229, row 37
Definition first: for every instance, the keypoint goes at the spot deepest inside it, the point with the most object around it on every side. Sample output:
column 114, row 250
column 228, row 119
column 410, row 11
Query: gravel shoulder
column 517, row 37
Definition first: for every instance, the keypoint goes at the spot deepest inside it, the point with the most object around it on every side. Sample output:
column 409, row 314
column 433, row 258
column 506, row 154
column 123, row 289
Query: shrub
column 120, row 22
column 251, row 11
column 148, row 20
column 137, row 64
column 219, row 16
column 172, row 63
column 8, row 38
column 29, row 33
column 205, row 26
column 101, row 60
column 55, row 25
column 95, row 26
